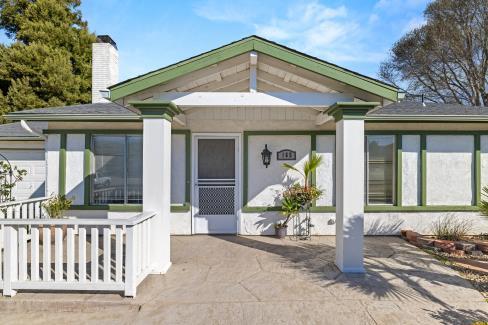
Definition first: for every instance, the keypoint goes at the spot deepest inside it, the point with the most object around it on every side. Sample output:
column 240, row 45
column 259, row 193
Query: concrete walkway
column 263, row 280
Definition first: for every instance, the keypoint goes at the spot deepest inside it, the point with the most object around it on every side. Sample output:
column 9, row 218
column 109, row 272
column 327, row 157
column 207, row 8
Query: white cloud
column 414, row 23
column 399, row 5
column 218, row 11
column 320, row 30
column 332, row 33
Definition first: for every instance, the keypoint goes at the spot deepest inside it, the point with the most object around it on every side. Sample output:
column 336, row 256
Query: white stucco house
column 185, row 142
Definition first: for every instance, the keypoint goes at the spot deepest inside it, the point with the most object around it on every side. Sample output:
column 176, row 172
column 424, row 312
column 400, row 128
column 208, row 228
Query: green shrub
column 56, row 205
column 451, row 228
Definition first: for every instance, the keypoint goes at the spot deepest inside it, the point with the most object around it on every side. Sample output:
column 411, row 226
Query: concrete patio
column 263, row 280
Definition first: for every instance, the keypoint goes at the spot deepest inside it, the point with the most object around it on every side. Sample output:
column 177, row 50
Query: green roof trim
column 157, row 109
column 350, row 110
column 253, row 43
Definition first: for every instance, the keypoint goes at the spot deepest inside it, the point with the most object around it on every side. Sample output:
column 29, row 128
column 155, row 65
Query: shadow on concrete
column 389, row 276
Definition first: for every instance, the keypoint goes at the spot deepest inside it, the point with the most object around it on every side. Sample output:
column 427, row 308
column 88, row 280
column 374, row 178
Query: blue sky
column 151, row 34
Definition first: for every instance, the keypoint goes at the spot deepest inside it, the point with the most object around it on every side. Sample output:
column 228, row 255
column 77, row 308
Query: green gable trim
column 350, row 110
column 261, row 45
column 157, row 109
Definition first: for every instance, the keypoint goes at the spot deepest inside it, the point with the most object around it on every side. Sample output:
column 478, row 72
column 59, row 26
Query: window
column 379, row 169
column 117, row 170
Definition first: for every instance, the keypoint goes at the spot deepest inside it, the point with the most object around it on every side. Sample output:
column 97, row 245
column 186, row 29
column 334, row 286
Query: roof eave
column 70, row 117
column 422, row 118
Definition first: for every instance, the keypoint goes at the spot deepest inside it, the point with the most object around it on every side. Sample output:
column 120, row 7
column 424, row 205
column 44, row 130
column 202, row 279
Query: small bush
column 451, row 228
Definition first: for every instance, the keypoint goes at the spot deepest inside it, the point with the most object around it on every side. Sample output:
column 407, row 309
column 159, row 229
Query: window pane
column 216, row 158
column 380, row 169
column 108, row 179
column 134, row 169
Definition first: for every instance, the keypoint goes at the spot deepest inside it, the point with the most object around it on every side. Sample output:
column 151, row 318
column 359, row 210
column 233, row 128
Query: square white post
column 156, row 176
column 350, row 184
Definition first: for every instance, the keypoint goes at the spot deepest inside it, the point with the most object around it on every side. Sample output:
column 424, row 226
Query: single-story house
column 186, row 140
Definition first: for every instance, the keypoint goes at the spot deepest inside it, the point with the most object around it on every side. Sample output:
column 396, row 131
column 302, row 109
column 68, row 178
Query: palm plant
column 308, row 168
column 298, row 196
column 484, row 203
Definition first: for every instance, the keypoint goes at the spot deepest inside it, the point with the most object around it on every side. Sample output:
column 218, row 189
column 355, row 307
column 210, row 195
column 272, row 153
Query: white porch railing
column 26, row 209
column 55, row 256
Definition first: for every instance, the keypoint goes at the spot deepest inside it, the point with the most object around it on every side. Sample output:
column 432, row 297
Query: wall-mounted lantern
column 266, row 156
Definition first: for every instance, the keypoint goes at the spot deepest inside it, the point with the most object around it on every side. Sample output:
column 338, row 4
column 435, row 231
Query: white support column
column 350, row 184
column 156, row 177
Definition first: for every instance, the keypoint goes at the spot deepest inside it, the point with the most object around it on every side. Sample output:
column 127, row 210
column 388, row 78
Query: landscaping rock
column 476, row 253
column 425, row 241
column 445, row 245
column 412, row 236
column 482, row 246
column 403, row 233
column 464, row 246
column 458, row 252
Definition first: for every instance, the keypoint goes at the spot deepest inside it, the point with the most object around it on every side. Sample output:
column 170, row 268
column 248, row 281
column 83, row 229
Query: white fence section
column 75, row 254
column 26, row 209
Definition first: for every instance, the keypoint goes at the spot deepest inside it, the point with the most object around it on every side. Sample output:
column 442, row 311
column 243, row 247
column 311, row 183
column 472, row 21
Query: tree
column 446, row 59
column 48, row 62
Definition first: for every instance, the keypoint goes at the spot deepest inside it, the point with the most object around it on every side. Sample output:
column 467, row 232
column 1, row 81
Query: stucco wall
column 411, row 170
column 325, row 175
column 52, row 144
column 388, row 223
column 75, row 147
column 266, row 184
column 484, row 160
column 450, row 169
column 178, row 171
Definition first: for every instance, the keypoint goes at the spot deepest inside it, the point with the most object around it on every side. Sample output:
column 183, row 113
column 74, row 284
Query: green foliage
column 484, row 203
column 7, row 183
column 308, row 168
column 451, row 228
column 49, row 61
column 297, row 196
column 56, row 205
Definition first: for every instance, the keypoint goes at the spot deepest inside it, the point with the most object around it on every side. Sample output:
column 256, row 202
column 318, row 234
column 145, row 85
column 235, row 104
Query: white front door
column 215, row 183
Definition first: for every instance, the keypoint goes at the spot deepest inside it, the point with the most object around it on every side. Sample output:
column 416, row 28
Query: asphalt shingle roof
column 88, row 109
column 416, row 108
column 15, row 130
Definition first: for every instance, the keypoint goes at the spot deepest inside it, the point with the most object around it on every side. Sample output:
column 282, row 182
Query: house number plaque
column 286, row 154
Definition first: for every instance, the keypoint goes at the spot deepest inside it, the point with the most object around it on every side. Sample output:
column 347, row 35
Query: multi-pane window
column 379, row 169
column 117, row 169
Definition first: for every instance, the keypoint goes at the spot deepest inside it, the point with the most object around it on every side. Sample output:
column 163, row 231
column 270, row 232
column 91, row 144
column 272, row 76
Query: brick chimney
column 105, row 66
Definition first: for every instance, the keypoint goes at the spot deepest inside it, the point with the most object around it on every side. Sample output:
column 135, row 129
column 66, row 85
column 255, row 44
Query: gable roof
column 86, row 111
column 258, row 44
column 417, row 108
column 15, row 130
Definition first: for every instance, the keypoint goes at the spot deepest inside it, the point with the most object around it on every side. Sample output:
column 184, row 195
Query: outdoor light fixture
column 266, row 155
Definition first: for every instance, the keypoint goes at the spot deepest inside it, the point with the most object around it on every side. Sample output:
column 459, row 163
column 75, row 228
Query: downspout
column 26, row 127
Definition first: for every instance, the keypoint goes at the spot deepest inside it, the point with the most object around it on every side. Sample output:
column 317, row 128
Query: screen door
column 215, row 186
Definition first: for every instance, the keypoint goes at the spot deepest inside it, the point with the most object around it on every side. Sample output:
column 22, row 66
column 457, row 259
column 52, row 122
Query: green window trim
column 87, row 161
column 126, row 207
column 399, row 170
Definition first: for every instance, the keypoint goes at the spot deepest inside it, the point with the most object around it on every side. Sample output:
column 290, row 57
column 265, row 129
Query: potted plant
column 298, row 197
column 55, row 207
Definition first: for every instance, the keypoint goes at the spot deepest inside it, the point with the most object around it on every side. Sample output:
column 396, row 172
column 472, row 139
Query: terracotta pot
column 53, row 236
column 281, row 232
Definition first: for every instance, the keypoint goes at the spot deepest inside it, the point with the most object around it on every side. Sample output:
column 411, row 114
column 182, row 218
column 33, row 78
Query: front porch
column 257, row 280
